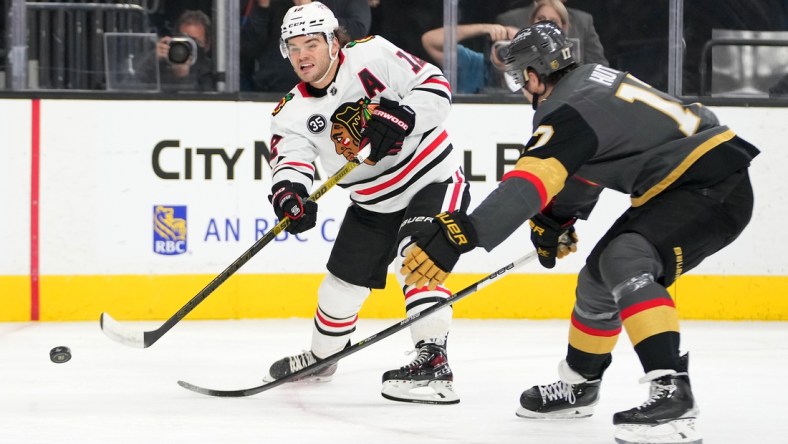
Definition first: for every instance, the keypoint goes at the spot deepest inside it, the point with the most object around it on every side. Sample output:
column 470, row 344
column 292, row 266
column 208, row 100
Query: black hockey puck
column 60, row 354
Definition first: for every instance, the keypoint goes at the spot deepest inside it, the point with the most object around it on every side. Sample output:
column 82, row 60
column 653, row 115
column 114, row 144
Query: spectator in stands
column 580, row 29
column 197, row 73
column 262, row 66
column 163, row 15
column 475, row 71
column 553, row 10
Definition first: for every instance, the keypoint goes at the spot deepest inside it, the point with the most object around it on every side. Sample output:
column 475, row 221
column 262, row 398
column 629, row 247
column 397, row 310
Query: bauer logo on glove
column 437, row 250
column 454, row 232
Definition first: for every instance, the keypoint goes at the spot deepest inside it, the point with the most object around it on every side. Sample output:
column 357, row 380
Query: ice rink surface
column 109, row 393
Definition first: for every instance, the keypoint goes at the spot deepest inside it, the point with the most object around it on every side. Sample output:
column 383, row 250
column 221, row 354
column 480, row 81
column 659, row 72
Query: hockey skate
column 667, row 417
column 426, row 380
column 292, row 364
column 569, row 398
column 559, row 400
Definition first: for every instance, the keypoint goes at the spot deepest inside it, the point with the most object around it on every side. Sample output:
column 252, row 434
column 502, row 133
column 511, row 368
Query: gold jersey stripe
column 651, row 322
column 696, row 154
column 550, row 171
column 589, row 343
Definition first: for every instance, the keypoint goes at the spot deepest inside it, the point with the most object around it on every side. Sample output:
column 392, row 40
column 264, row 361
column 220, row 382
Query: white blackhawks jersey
column 305, row 126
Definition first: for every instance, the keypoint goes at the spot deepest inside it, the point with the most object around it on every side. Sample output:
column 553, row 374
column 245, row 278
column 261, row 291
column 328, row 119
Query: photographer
column 475, row 72
column 184, row 59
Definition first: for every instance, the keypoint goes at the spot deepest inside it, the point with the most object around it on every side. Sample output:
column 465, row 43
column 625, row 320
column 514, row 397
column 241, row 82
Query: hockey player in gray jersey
column 353, row 94
column 596, row 128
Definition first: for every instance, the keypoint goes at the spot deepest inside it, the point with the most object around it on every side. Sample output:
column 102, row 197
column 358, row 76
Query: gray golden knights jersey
column 608, row 129
column 309, row 123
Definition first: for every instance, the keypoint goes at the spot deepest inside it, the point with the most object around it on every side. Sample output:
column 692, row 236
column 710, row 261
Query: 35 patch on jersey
column 316, row 123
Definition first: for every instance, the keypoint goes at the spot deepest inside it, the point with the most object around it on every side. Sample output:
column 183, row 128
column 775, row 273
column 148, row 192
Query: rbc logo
column 169, row 229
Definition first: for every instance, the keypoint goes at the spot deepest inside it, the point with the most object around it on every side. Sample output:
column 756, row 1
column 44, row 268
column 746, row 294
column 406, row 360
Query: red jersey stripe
column 594, row 331
column 414, row 291
column 308, row 166
column 326, row 322
column 586, row 181
column 438, row 81
column 530, row 178
column 302, row 89
column 645, row 305
column 458, row 186
column 422, row 155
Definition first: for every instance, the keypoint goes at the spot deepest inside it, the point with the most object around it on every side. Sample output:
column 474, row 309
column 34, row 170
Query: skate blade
column 678, row 431
column 433, row 392
column 267, row 379
column 573, row 413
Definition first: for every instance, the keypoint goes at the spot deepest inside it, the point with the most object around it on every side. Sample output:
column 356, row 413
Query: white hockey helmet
column 312, row 18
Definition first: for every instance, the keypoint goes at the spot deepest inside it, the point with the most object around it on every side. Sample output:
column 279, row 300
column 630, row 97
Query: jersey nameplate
column 603, row 75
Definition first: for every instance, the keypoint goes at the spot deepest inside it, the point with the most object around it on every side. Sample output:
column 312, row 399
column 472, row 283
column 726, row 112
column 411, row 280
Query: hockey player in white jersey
column 352, row 94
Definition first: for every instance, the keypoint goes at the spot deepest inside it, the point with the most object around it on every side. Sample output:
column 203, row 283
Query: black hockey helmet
column 542, row 47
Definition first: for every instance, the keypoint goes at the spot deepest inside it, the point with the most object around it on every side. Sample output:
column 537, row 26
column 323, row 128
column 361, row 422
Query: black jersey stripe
column 404, row 185
column 434, row 91
column 404, row 163
column 334, row 333
column 311, row 177
column 422, row 301
column 326, row 315
column 393, row 169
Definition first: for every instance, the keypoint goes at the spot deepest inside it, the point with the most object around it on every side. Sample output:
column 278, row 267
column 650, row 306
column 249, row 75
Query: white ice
column 109, row 393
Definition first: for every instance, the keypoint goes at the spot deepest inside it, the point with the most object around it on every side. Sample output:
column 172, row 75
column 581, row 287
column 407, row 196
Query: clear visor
column 512, row 83
column 288, row 50
column 283, row 48
column 514, row 77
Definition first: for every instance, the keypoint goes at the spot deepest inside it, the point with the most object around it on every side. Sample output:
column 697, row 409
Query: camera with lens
column 500, row 48
column 183, row 49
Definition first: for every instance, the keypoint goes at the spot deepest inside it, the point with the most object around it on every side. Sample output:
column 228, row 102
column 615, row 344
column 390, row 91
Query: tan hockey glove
column 437, row 250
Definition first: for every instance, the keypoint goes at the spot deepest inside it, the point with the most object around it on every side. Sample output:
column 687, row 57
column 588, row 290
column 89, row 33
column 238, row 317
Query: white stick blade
column 117, row 332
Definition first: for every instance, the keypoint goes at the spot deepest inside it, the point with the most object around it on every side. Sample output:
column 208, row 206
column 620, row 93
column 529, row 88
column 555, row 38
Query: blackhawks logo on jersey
column 282, row 103
column 346, row 124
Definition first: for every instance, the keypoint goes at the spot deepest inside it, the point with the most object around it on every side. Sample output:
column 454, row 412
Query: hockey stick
column 144, row 339
column 467, row 291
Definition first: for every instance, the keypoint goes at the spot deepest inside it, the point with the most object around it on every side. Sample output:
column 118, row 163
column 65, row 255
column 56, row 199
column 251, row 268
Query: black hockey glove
column 552, row 239
column 437, row 249
column 289, row 200
column 386, row 129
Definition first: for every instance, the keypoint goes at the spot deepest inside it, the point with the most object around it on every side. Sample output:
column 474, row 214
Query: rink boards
column 132, row 207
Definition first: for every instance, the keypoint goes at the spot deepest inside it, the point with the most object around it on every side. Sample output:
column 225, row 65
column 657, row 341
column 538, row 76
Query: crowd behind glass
column 715, row 48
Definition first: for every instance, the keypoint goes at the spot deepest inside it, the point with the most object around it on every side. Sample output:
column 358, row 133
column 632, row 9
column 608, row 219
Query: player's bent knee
column 339, row 298
column 627, row 256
